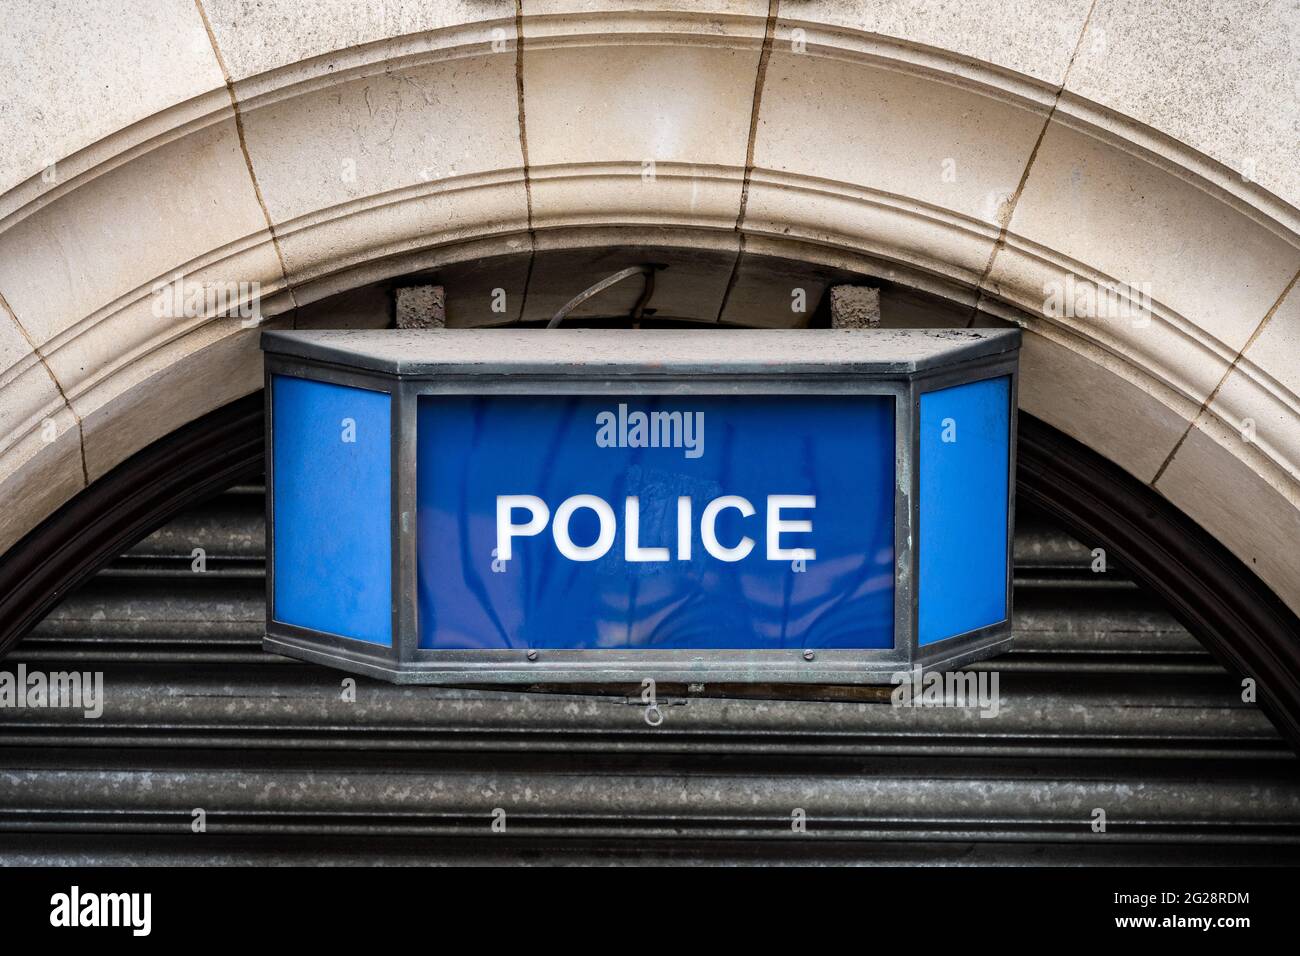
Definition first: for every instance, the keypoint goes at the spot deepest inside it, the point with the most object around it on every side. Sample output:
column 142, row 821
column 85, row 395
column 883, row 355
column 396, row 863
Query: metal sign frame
column 978, row 354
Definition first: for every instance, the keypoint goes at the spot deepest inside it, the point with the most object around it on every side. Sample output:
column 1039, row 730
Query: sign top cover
column 432, row 353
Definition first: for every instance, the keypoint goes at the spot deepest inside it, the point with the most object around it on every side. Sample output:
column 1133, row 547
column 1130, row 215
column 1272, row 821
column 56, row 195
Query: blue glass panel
column 964, row 464
column 839, row 450
column 333, row 534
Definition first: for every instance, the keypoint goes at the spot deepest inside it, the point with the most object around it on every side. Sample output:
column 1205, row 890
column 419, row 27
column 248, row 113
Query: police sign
column 598, row 505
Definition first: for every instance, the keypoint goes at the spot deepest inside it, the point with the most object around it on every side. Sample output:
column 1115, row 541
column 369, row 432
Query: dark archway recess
column 191, row 464
column 1212, row 593
column 1209, row 590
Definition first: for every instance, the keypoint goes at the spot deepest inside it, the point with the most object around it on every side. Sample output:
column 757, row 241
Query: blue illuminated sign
column 964, row 449
column 598, row 505
column 656, row 522
column 332, row 557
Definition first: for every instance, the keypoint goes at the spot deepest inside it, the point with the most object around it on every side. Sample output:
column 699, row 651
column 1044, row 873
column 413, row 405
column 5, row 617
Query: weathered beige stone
column 895, row 133
column 621, row 131
column 27, row 391
column 1102, row 215
column 1098, row 399
column 1032, row 37
column 891, row 231
column 630, row 16
column 78, row 72
column 1236, row 494
column 29, row 401
column 894, row 165
column 79, row 268
column 256, row 37
column 170, row 387
column 373, row 136
column 1259, row 397
column 38, row 475
column 40, row 447
column 389, row 164
column 81, row 273
column 1222, row 77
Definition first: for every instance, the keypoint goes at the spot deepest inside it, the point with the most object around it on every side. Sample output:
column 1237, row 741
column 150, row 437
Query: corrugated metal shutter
column 1106, row 704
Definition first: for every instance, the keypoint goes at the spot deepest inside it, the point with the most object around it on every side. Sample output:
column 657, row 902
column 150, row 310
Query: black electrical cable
column 602, row 285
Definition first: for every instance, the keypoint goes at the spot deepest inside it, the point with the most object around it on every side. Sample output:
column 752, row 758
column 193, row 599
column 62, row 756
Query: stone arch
column 1011, row 159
